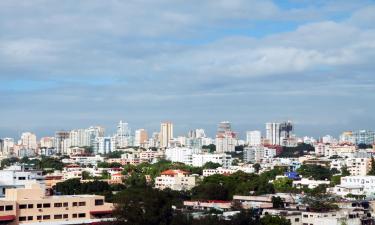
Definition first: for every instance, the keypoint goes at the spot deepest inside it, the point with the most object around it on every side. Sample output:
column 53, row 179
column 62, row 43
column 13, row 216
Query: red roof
column 173, row 172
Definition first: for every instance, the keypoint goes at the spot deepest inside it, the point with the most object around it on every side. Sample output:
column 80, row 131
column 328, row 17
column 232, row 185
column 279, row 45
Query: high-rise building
column 140, row 137
column 166, row 134
column 364, row 137
column 273, row 133
column 60, row 136
column 254, row 138
column 47, row 142
column 8, row 146
column 280, row 133
column 226, row 139
column 1, row 146
column 123, row 135
column 347, row 137
column 28, row 140
column 105, row 145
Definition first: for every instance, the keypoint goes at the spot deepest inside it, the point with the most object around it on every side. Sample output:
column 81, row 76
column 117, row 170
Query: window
column 39, row 206
column 1, row 208
column 82, row 203
column 8, row 208
column 81, row 215
column 46, row 205
column 66, row 216
column 39, row 217
column 30, row 218
column 57, row 217
column 66, row 204
column 74, row 215
column 23, row 206
column 296, row 220
column 30, row 206
column 22, row 218
column 75, row 203
column 46, row 217
column 305, row 216
column 21, row 178
column 99, row 202
column 57, row 205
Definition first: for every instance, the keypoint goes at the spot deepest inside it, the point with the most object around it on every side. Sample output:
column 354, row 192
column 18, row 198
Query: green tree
column 316, row 172
column 211, row 165
column 320, row 202
column 283, row 185
column 277, row 202
column 256, row 167
column 139, row 206
column 274, row 220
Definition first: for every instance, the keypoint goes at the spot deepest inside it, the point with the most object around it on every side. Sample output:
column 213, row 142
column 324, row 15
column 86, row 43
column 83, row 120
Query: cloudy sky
column 75, row 63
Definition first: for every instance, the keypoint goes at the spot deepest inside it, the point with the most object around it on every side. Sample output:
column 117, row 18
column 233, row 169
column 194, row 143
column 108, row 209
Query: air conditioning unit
column 66, row 208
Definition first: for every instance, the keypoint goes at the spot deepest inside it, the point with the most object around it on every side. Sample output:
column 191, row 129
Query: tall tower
column 123, row 135
column 273, row 133
column 166, row 134
column 60, row 136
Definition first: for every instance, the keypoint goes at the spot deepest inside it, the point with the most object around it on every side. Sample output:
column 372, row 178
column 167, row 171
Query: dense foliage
column 316, row 172
column 75, row 187
column 145, row 205
column 300, row 150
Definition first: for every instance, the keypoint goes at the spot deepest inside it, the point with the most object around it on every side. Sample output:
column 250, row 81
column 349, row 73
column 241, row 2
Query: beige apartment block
column 30, row 206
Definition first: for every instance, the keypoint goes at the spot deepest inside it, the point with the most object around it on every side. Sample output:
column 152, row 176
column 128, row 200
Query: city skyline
column 195, row 64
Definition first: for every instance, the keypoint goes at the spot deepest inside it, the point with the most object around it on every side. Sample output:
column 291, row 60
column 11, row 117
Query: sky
column 76, row 63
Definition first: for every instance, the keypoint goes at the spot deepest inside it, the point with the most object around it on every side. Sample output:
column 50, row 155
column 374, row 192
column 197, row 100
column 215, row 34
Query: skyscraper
column 140, row 137
column 166, row 134
column 226, row 139
column 60, row 136
column 28, row 140
column 273, row 133
column 123, row 135
column 254, row 138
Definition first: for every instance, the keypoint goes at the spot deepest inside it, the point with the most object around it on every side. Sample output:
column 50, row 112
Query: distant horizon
column 178, row 130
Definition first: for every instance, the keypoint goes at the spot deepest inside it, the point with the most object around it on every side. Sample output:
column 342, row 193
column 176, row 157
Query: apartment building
column 175, row 179
column 31, row 206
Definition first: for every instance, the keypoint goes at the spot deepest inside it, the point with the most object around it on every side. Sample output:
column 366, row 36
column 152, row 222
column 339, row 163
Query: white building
column 256, row 154
column 181, row 154
column 223, row 159
column 123, row 135
column 356, row 185
column 17, row 177
column 105, row 145
column 8, row 146
column 28, row 140
column 311, row 184
column 273, row 133
column 177, row 180
column 254, row 138
column 226, row 171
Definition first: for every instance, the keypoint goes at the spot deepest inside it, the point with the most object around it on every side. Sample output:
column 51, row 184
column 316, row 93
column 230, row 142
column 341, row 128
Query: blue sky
column 76, row 63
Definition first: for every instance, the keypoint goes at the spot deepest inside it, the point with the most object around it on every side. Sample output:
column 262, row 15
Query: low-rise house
column 209, row 204
column 311, row 184
column 355, row 185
